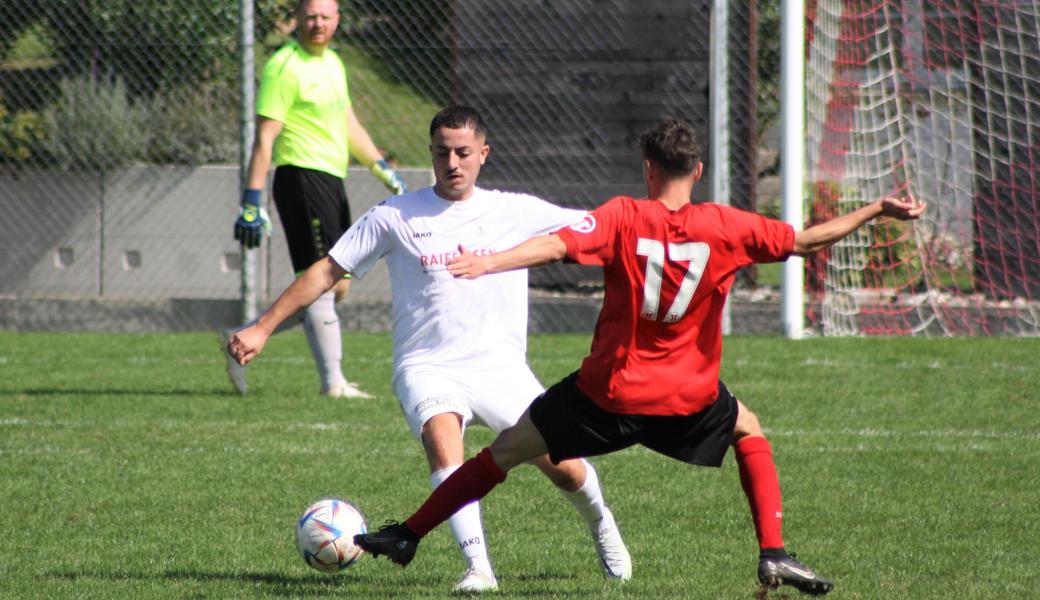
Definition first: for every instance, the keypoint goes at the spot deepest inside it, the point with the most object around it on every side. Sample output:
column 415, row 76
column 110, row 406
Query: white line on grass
column 317, row 426
column 867, row 365
column 945, row 442
column 188, row 360
column 925, row 433
column 207, row 450
column 863, row 432
column 14, row 421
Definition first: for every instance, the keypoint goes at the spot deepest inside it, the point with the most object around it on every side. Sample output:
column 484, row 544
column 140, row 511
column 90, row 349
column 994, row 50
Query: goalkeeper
column 307, row 129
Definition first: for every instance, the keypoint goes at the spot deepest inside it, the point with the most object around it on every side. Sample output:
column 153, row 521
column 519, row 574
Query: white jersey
column 439, row 320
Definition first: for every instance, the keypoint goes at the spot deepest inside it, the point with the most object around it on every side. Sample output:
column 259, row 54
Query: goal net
column 941, row 100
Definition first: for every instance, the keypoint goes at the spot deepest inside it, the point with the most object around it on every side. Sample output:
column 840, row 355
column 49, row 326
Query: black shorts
column 314, row 212
column 573, row 426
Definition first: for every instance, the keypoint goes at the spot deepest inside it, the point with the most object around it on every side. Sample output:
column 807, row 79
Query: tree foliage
column 171, row 69
column 768, row 64
column 148, row 44
column 15, row 17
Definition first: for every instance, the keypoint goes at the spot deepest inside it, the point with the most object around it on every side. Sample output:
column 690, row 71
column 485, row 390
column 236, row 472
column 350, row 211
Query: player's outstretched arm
column 821, row 236
column 246, row 343
column 536, row 251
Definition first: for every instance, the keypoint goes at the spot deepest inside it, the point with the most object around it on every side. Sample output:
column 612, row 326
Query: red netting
column 941, row 99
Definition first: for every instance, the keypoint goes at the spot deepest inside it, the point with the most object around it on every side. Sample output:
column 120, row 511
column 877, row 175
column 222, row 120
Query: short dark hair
column 459, row 117
column 672, row 145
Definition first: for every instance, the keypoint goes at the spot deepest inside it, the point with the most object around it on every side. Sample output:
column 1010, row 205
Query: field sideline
column 129, row 470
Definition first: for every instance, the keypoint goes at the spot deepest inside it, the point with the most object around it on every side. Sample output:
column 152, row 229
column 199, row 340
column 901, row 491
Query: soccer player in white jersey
column 459, row 345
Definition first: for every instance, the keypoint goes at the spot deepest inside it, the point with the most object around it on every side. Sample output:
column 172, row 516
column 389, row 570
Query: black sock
column 774, row 553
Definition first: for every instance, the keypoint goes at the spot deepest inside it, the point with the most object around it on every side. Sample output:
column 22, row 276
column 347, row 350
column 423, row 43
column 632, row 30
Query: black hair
column 459, row 117
column 672, row 145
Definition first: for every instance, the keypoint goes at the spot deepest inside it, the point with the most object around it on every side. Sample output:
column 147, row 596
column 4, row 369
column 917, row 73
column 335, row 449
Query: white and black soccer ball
column 325, row 534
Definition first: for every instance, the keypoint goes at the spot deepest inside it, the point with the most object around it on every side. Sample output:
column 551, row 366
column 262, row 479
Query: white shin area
column 466, row 526
column 588, row 499
column 321, row 323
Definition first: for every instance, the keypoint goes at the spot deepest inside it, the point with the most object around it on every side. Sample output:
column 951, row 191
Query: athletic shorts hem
column 573, row 426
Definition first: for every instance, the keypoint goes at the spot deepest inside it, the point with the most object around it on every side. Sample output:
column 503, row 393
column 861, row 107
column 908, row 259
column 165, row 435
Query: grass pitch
column 129, row 470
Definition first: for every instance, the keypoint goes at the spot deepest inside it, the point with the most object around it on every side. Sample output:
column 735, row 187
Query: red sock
column 469, row 483
column 762, row 488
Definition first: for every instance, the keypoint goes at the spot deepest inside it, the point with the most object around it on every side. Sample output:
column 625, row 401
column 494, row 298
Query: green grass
column 909, row 469
column 768, row 275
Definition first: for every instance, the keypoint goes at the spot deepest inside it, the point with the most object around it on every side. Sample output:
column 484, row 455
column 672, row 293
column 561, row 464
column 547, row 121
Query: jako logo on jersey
column 422, row 234
column 587, row 225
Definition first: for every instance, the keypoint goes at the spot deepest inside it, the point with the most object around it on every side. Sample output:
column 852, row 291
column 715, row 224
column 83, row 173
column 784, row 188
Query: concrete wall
column 144, row 248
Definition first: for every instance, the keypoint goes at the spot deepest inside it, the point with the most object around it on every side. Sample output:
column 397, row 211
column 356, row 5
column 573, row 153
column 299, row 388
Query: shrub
column 22, row 134
column 95, row 126
column 194, row 125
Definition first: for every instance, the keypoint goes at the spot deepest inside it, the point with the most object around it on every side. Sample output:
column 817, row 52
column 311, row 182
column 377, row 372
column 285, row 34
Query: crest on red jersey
column 586, row 225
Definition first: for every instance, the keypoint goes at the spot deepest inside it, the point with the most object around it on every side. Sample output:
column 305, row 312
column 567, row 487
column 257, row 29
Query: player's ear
column 648, row 170
column 484, row 151
column 698, row 171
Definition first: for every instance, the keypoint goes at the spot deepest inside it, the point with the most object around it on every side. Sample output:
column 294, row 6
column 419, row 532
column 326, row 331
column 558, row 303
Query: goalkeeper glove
column 252, row 221
column 389, row 177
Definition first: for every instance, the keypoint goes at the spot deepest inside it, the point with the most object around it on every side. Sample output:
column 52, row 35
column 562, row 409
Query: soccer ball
column 325, row 534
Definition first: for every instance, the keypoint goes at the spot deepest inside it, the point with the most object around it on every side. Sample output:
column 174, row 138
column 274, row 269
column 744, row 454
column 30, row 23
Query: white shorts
column 494, row 398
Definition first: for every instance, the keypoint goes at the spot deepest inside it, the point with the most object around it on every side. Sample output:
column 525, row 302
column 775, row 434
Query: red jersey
column 657, row 347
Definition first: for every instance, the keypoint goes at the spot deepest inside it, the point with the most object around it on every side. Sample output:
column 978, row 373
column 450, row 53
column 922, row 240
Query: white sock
column 321, row 323
column 466, row 527
column 588, row 500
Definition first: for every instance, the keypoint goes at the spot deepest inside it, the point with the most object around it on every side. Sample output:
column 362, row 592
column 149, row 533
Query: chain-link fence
column 120, row 136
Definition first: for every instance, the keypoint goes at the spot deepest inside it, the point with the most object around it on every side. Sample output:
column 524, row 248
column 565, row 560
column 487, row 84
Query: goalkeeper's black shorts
column 313, row 208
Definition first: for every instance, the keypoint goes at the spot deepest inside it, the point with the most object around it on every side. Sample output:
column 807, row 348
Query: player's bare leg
column 518, row 444
column 470, row 482
column 442, row 441
column 578, row 481
column 762, row 488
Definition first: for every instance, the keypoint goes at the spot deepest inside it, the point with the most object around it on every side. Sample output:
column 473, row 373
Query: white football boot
column 344, row 390
column 613, row 555
column 476, row 581
column 236, row 372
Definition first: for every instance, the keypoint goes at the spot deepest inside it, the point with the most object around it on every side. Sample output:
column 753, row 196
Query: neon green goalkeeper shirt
column 308, row 95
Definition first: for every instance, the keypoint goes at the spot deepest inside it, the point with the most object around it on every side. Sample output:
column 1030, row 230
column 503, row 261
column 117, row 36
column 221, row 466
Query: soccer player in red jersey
column 652, row 376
